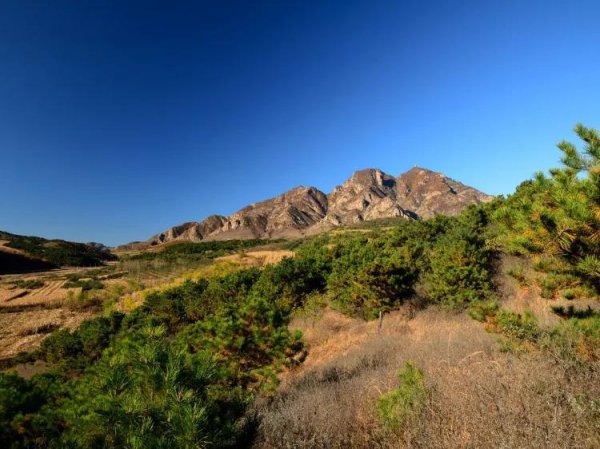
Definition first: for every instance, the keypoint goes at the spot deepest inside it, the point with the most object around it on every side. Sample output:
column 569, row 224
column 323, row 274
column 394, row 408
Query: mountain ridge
column 368, row 194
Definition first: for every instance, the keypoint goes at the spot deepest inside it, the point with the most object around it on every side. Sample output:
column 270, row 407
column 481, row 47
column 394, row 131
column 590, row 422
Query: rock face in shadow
column 368, row 194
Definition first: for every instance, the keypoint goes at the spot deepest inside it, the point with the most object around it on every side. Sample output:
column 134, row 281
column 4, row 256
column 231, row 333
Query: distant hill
column 21, row 254
column 368, row 194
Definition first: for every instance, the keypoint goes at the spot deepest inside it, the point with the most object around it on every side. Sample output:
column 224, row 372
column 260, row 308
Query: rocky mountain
column 367, row 195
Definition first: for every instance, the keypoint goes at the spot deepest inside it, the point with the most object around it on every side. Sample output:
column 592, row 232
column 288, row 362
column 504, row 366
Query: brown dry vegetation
column 258, row 258
column 478, row 395
column 24, row 330
column 28, row 315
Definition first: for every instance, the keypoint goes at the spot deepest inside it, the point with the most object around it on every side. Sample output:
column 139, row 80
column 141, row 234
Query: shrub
column 169, row 306
column 460, row 264
column 558, row 217
column 95, row 335
column 60, row 252
column 396, row 407
column 61, row 345
column 250, row 341
column 521, row 327
column 482, row 310
column 369, row 277
column 289, row 282
column 28, row 417
column 144, row 393
column 553, row 282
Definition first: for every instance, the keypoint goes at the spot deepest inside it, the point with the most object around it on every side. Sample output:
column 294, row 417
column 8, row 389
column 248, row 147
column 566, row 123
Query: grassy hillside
column 49, row 254
column 410, row 338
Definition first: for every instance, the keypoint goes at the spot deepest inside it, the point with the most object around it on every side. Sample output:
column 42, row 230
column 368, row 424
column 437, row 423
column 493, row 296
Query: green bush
column 558, row 217
column 61, row 345
column 397, row 407
column 460, row 263
column 86, row 342
column 28, row 417
column 96, row 334
column 370, row 276
column 482, row 310
column 523, row 327
column 145, row 394
column 250, row 340
column 289, row 282
column 576, row 339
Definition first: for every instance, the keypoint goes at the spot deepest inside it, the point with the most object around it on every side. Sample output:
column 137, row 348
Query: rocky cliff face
column 284, row 216
column 427, row 193
column 367, row 195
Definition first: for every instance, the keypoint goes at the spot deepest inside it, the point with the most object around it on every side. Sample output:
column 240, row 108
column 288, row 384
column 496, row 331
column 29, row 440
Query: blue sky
column 120, row 119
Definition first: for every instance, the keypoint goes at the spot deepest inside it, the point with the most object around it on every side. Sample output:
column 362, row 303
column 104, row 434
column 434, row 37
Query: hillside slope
column 22, row 254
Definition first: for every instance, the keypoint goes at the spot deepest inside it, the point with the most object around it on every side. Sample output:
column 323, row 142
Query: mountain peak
column 368, row 194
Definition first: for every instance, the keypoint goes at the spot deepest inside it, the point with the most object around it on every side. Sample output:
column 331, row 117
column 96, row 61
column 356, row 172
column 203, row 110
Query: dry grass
column 527, row 298
column 25, row 330
column 479, row 396
column 258, row 258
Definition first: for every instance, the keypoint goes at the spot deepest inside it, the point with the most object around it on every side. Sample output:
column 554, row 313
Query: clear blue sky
column 119, row 119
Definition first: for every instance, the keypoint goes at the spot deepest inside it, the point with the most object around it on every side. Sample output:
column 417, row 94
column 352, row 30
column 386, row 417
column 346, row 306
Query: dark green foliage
column 460, row 264
column 159, row 377
column 18, row 263
column 169, row 306
column 194, row 300
column 86, row 343
column 61, row 345
column 250, row 340
column 571, row 312
column 371, row 276
column 228, row 289
column 95, row 335
column 446, row 259
column 576, row 339
column 28, row 417
column 144, row 393
column 290, row 281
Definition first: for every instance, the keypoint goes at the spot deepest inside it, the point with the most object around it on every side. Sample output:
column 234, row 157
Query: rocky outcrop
column 427, row 193
column 191, row 231
column 284, row 216
column 367, row 195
